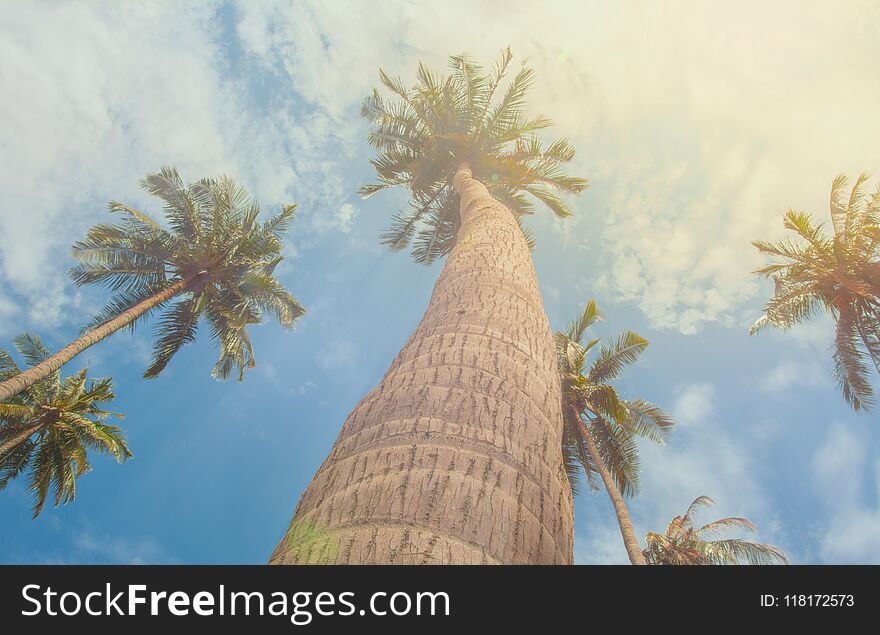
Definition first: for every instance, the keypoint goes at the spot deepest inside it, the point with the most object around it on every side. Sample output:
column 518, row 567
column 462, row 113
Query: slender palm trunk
column 23, row 435
column 45, row 368
column 630, row 542
column 455, row 457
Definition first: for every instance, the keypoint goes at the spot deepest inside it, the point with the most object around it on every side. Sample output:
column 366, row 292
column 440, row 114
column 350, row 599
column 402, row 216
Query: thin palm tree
column 683, row 544
column 214, row 257
column 600, row 426
column 838, row 273
column 456, row 456
column 48, row 429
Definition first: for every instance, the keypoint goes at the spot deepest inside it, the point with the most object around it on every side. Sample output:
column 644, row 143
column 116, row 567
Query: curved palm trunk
column 455, row 457
column 26, row 431
column 45, row 368
column 630, row 542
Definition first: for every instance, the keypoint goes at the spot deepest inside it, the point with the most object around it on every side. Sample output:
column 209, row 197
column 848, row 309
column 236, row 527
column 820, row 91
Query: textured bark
column 45, row 368
column 630, row 542
column 455, row 457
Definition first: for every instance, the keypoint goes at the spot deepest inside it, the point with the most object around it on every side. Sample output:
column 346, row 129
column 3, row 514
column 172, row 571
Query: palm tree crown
column 48, row 428
column 589, row 399
column 839, row 273
column 683, row 544
column 214, row 243
column 426, row 132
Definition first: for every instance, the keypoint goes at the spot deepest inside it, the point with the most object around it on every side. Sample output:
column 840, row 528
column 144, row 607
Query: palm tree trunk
column 45, row 368
column 26, row 431
column 455, row 457
column 630, row 542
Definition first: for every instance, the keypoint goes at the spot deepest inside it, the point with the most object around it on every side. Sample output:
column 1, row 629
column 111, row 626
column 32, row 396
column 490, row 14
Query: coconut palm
column 213, row 257
column 684, row 544
column 455, row 457
column 838, row 273
column 48, row 429
column 600, row 426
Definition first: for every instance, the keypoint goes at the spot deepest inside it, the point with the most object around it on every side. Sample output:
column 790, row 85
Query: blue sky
column 697, row 126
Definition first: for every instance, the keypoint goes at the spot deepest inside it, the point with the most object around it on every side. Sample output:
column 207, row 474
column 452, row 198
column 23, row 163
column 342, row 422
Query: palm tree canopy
column 590, row 399
column 424, row 133
column 685, row 544
column 213, row 240
column 837, row 272
column 61, row 420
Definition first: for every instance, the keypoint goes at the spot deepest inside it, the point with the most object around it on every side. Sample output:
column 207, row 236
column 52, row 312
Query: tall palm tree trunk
column 455, row 457
column 45, row 368
column 23, row 435
column 630, row 542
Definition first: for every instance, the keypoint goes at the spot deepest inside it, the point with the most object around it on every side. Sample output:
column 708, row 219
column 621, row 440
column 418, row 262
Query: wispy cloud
column 703, row 457
column 791, row 373
column 81, row 542
column 338, row 354
column 97, row 95
column 847, row 476
column 696, row 142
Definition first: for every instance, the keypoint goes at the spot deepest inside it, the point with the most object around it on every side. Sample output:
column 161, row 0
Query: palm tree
column 600, row 426
column 48, row 428
column 683, row 544
column 214, row 256
column 839, row 273
column 455, row 457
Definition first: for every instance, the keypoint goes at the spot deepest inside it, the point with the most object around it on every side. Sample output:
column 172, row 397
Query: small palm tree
column 443, row 125
column 839, row 273
column 214, row 256
column 684, row 544
column 48, row 428
column 600, row 427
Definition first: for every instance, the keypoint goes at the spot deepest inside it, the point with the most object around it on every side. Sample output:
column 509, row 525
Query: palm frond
column 700, row 502
column 31, row 348
column 648, row 420
column 175, row 328
column 423, row 134
column 613, row 359
column 850, row 369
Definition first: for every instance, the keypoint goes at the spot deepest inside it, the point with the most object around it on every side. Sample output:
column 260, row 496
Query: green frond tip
column 48, row 430
column 213, row 236
column 423, row 132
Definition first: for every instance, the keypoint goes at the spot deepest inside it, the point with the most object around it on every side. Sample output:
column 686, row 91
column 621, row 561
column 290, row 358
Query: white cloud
column 695, row 142
column 283, row 385
column 94, row 96
column 7, row 308
column 341, row 220
column 77, row 541
column 706, row 140
column 847, row 480
column 702, row 458
column 695, row 404
column 338, row 354
column 600, row 543
column 345, row 216
column 815, row 336
column 699, row 125
column 95, row 547
column 792, row 373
